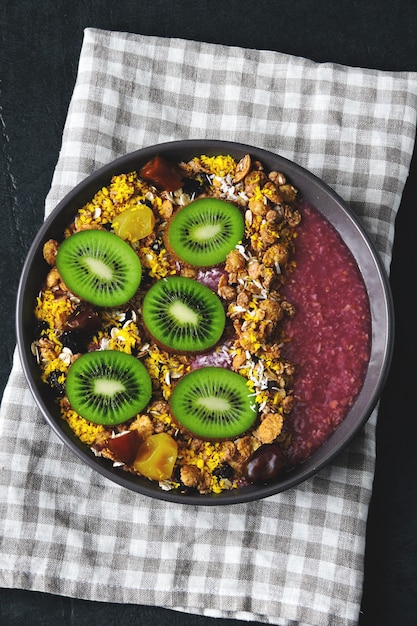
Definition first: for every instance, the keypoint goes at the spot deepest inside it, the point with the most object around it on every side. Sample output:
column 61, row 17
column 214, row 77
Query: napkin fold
column 292, row 559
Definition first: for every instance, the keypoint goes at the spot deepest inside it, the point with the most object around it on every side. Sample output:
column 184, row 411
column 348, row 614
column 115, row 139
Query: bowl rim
column 352, row 231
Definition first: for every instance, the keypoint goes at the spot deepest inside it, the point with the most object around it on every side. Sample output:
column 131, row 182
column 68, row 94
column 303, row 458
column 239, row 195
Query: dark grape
column 265, row 464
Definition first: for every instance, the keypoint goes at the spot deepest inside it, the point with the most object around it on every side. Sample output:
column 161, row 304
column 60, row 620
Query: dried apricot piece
column 156, row 457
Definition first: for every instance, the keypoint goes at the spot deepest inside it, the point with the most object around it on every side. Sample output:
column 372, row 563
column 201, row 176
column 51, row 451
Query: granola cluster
column 249, row 284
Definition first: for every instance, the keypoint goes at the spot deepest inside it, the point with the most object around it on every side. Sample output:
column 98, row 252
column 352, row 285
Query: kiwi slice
column 203, row 232
column 183, row 315
column 99, row 267
column 213, row 403
column 108, row 386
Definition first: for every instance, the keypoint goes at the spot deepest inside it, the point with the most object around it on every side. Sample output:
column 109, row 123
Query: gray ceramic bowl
column 317, row 194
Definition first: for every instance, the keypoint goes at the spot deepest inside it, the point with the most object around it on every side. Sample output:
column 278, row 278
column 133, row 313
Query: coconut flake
column 242, row 251
column 104, row 343
column 166, row 485
column 65, row 356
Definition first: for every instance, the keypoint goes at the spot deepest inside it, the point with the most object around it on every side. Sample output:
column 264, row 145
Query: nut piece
column 234, row 261
column 277, row 177
column 288, row 192
column 224, row 290
column 227, row 451
column 144, row 426
column 53, row 278
column 246, row 445
column 166, row 209
column 190, row 475
column 50, row 250
column 242, row 168
column 270, row 427
column 288, row 404
column 277, row 253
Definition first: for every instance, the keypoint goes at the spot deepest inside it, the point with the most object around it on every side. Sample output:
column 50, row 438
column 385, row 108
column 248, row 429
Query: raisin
column 192, row 186
column 56, row 385
column 272, row 385
column 74, row 340
column 224, row 471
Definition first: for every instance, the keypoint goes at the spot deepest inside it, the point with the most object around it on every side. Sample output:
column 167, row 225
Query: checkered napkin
column 294, row 558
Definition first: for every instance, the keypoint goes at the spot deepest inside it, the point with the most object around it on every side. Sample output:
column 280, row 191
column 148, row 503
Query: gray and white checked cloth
column 292, row 559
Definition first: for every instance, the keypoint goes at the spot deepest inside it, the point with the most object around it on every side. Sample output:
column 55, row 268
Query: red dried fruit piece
column 125, row 446
column 84, row 317
column 162, row 173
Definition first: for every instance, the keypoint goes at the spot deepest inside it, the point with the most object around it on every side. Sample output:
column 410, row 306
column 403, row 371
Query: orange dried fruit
column 156, row 457
column 134, row 223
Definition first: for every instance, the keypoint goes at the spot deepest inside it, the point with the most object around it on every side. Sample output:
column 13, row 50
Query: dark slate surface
column 39, row 49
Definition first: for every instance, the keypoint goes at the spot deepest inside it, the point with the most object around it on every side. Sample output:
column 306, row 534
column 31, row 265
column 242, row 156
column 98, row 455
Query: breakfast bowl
column 303, row 311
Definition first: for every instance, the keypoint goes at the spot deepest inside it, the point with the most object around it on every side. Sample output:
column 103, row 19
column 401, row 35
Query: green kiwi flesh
column 183, row 315
column 203, row 232
column 108, row 386
column 213, row 403
column 99, row 267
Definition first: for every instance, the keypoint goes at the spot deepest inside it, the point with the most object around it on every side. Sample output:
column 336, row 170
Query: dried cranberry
column 265, row 464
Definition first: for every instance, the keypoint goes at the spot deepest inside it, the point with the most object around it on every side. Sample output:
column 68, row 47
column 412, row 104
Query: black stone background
column 39, row 50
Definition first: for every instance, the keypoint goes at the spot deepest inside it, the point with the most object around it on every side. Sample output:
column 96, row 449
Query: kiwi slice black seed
column 99, row 267
column 183, row 315
column 213, row 403
column 203, row 232
column 108, row 386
